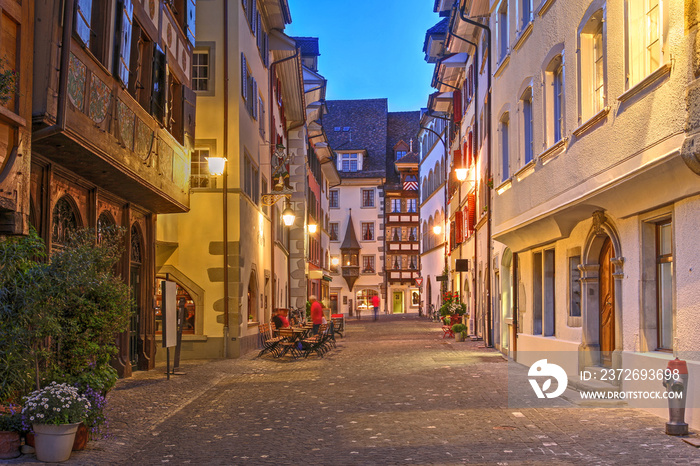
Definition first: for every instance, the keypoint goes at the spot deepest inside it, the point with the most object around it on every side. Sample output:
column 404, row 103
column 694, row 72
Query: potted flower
column 54, row 413
column 460, row 331
column 10, row 427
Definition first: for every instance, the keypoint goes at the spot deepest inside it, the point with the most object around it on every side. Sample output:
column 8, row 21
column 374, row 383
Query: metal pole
column 225, row 184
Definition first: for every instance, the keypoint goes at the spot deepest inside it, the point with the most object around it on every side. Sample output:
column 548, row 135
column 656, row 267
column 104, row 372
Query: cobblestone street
column 392, row 392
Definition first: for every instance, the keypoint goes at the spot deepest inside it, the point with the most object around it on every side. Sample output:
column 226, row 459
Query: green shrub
column 459, row 328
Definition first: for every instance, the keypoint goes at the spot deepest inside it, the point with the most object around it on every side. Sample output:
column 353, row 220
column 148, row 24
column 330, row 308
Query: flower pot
column 81, row 437
column 54, row 443
column 459, row 336
column 9, row 445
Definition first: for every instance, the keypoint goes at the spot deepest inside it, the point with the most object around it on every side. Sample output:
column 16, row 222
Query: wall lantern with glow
column 335, row 261
column 216, row 165
column 312, row 227
column 288, row 216
column 460, row 169
column 437, row 229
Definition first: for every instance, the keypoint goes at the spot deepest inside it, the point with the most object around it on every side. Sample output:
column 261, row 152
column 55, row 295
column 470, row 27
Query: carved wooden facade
column 16, row 43
column 113, row 128
column 403, row 226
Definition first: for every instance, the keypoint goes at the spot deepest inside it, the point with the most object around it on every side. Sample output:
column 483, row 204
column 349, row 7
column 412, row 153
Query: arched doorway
column 136, row 260
column 252, row 298
column 601, row 291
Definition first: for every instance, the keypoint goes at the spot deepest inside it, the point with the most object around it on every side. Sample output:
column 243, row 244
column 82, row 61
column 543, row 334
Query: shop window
column 183, row 299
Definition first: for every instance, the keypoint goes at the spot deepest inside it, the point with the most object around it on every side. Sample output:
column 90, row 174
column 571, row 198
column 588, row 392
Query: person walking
column 375, row 303
column 316, row 314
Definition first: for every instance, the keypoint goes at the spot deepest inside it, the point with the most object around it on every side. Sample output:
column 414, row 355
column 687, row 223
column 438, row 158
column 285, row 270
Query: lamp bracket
column 269, row 199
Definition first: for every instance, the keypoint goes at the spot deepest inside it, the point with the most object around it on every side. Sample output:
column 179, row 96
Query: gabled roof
column 401, row 126
column 362, row 126
column 350, row 240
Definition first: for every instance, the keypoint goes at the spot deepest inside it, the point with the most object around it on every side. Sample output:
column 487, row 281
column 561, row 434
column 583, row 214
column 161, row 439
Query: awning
column 440, row 102
column 290, row 74
column 448, row 71
column 327, row 278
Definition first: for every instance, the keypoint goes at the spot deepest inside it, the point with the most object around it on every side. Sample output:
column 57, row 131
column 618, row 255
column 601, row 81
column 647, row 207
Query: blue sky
column 369, row 48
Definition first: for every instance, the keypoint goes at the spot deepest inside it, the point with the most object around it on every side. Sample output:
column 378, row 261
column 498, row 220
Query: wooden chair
column 268, row 342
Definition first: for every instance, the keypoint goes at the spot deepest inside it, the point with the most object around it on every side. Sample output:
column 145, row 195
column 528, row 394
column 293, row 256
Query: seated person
column 280, row 320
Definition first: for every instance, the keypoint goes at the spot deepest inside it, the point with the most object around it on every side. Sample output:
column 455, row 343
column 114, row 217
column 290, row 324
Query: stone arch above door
column 602, row 229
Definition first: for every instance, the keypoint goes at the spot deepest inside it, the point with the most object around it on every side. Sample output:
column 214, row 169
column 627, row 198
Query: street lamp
column 217, row 165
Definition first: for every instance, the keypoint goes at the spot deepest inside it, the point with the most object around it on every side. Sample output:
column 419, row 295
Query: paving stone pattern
column 392, row 392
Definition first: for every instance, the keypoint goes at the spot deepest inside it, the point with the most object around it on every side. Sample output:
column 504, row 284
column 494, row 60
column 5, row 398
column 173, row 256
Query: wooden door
column 606, row 306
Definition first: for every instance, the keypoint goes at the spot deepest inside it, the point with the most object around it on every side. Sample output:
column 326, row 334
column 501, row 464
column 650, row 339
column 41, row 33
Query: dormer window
column 400, row 153
column 349, row 162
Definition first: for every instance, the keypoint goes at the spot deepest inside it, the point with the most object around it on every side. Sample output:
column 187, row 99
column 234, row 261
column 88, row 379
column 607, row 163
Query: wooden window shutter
column 452, row 236
column 254, row 98
column 244, row 78
column 127, row 9
column 190, row 16
column 465, row 153
column 457, row 105
column 465, row 222
column 254, row 16
column 245, row 6
column 459, row 226
column 266, row 50
column 470, row 154
column 457, row 160
column 83, row 16
column 159, row 77
column 471, row 204
column 189, row 98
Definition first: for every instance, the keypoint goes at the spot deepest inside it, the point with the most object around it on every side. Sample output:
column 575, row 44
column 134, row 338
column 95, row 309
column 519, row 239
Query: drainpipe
column 225, row 184
column 68, row 9
column 488, row 340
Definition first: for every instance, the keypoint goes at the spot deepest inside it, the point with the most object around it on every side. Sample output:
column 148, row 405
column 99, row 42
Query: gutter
column 488, row 341
column 60, row 126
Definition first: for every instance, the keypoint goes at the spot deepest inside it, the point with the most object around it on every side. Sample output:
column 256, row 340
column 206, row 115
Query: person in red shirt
column 375, row 303
column 316, row 314
column 280, row 320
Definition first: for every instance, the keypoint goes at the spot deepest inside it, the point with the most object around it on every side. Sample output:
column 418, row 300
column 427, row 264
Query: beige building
column 595, row 198
column 253, row 108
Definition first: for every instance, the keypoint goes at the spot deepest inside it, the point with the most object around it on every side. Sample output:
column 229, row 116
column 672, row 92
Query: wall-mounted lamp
column 312, row 227
column 216, row 165
column 288, row 216
column 461, row 173
column 437, row 229
column 335, row 261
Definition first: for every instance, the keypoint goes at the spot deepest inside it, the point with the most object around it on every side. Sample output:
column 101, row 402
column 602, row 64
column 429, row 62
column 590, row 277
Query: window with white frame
column 644, row 38
column 367, row 231
column 202, row 78
column 333, row 199
column 368, row 198
column 505, row 156
column 554, row 100
column 592, row 58
column 368, row 264
column 349, row 162
column 528, row 140
column 200, row 168
column 502, row 30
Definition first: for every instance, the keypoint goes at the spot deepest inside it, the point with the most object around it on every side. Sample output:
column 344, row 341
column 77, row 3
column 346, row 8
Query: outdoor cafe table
column 292, row 335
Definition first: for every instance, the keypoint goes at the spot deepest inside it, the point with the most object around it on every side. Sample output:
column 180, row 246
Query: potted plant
column 460, row 331
column 10, row 427
column 54, row 412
